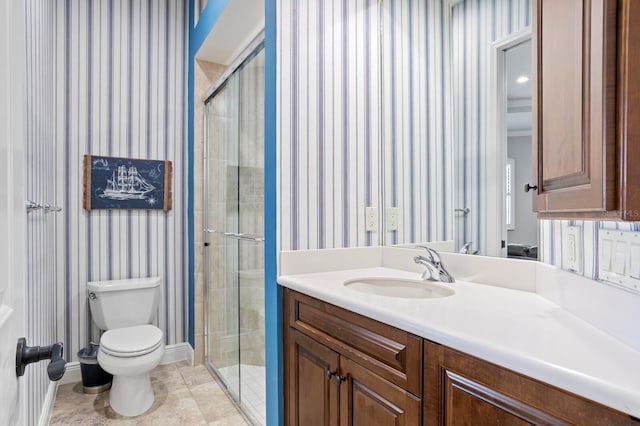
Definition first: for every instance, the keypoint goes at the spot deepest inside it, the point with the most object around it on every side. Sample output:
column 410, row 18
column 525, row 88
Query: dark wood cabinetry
column 345, row 369
column 312, row 393
column 342, row 368
column 586, row 114
column 460, row 389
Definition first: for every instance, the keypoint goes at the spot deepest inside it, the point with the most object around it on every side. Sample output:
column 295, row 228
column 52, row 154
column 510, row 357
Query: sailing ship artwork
column 126, row 183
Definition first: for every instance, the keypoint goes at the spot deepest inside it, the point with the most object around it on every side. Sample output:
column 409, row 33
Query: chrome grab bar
column 235, row 236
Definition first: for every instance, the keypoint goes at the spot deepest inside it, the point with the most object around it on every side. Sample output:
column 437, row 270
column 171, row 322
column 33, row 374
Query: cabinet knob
column 340, row 379
column 330, row 374
column 528, row 187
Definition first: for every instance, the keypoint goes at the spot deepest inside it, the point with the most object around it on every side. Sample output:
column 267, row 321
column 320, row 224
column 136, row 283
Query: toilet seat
column 130, row 342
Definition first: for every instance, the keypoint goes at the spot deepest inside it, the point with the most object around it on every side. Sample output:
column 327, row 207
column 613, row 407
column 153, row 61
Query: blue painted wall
column 197, row 35
column 273, row 292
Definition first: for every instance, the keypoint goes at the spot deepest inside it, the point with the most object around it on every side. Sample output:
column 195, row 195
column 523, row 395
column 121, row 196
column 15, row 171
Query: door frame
column 497, row 139
column 13, row 112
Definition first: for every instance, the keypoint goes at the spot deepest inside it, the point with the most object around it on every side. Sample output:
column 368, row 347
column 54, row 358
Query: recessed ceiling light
column 522, row 79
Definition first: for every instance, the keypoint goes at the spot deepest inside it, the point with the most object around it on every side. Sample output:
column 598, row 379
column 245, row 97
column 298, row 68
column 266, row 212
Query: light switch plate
column 371, row 219
column 572, row 248
column 392, row 218
column 619, row 258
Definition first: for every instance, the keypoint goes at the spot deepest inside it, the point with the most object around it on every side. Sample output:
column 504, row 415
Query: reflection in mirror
column 490, row 123
column 520, row 220
column 443, row 158
column 416, row 155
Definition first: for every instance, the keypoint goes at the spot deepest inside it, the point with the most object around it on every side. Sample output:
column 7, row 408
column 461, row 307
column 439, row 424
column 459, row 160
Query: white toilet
column 131, row 347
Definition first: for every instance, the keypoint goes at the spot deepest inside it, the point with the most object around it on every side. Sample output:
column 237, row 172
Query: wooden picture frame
column 126, row 183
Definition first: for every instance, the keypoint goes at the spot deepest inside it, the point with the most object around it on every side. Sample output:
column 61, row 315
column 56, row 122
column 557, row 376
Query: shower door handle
column 235, row 236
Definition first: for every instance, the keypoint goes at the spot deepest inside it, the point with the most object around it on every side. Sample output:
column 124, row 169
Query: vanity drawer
column 391, row 353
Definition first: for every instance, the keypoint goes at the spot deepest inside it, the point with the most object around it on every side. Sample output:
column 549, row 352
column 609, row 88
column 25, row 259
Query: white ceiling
column 239, row 23
column 518, row 64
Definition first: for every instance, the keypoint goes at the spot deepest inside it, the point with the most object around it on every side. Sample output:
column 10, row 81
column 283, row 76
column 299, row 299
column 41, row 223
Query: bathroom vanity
column 485, row 352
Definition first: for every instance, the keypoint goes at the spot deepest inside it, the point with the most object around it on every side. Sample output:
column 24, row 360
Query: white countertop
column 516, row 329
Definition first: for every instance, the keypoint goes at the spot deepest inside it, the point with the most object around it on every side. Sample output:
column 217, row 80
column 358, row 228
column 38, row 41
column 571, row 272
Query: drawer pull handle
column 330, row 374
column 340, row 379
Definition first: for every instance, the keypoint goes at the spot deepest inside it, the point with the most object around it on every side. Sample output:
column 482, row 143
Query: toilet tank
column 124, row 303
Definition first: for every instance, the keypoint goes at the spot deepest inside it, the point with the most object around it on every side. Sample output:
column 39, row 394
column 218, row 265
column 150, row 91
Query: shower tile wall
column 206, row 73
column 235, row 269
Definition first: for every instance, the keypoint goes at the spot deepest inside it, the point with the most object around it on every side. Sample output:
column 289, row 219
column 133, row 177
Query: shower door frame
column 253, row 49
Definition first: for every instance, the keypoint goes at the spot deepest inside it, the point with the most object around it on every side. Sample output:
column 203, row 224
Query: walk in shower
column 234, row 260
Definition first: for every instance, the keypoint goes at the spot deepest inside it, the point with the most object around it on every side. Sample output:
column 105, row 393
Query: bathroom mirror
column 456, row 116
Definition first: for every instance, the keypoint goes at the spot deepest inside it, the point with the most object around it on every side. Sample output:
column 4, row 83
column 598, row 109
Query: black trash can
column 94, row 378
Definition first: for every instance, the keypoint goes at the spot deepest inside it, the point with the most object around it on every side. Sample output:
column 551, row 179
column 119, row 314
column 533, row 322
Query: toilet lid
column 131, row 341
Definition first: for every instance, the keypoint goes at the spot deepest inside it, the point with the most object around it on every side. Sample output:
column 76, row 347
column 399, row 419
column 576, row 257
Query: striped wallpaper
column 41, row 174
column 417, row 153
column 120, row 91
column 351, row 139
column 328, row 122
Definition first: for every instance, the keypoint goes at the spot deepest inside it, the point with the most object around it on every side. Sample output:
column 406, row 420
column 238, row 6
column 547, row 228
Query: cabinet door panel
column 574, row 47
column 562, row 97
column 462, row 389
column 366, row 399
column 311, row 394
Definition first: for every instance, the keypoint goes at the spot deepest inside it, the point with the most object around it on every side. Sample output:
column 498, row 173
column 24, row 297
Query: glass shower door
column 234, row 226
column 221, row 266
column 251, row 224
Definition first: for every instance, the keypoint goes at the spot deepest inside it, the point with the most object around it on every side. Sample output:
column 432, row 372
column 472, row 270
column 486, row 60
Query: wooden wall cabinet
column 586, row 109
column 345, row 369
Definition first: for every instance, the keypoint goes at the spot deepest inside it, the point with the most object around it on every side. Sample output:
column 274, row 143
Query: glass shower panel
column 251, row 274
column 234, row 226
column 223, row 328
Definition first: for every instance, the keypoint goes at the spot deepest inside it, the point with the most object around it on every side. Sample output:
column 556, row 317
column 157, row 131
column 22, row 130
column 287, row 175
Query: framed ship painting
column 126, row 183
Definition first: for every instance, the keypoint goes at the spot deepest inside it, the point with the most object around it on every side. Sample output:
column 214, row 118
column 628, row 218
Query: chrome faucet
column 435, row 268
column 466, row 248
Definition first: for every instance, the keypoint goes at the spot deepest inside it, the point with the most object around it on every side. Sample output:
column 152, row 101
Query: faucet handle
column 433, row 255
column 432, row 273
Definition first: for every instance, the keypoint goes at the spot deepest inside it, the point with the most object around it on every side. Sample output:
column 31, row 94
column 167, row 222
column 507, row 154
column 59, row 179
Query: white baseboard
column 47, row 405
column 178, row 352
column 71, row 374
column 172, row 353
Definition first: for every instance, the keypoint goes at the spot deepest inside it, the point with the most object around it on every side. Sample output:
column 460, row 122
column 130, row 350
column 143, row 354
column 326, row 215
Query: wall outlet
column 392, row 218
column 619, row 259
column 572, row 248
column 371, row 219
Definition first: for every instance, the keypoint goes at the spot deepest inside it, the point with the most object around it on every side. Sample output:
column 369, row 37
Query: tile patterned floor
column 252, row 389
column 184, row 395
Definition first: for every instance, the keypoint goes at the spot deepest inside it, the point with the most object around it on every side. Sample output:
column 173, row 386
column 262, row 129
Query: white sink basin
column 399, row 287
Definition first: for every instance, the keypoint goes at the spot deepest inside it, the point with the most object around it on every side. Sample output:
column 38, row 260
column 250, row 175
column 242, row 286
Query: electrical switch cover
column 605, row 257
column 634, row 262
column 572, row 248
column 392, row 218
column 620, row 257
column 371, row 219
